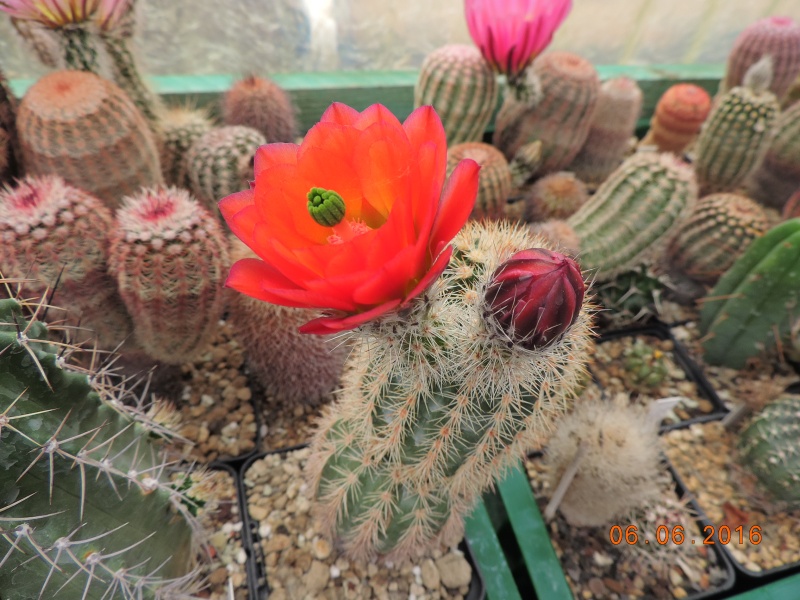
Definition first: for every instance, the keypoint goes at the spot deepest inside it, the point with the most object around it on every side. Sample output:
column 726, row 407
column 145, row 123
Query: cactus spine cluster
column 436, row 403
column 612, row 130
column 458, row 82
column 89, row 507
column 220, row 162
column 555, row 196
column 560, row 120
column 778, row 175
column 85, row 129
column 180, row 127
column 751, row 306
column 678, row 117
column 494, row 181
column 770, row 448
column 263, row 105
column 169, row 257
column 719, row 229
column 634, row 213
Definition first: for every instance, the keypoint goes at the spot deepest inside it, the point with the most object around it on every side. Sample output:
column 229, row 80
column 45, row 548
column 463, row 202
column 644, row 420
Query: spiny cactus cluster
column 261, row 104
column 180, row 128
column 495, row 177
column 555, row 196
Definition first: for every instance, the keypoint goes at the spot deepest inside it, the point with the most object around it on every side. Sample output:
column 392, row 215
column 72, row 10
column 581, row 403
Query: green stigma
column 326, row 207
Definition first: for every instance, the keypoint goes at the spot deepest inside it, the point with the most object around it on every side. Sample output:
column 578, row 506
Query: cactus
column 778, row 37
column 292, row 367
column 180, row 127
column 733, row 140
column 768, row 448
column 644, row 367
column 439, row 398
column 78, row 467
column 634, row 213
column 494, row 181
column 560, row 120
column 631, row 297
column 792, row 95
column 86, row 130
column 57, row 236
column 220, row 162
column 612, row 130
column 461, row 86
column 263, row 105
column 169, row 256
column 752, row 304
column 719, row 229
column 778, row 175
column 555, row 196
column 792, row 207
column 10, row 152
column 525, row 164
column 560, row 235
column 678, row 117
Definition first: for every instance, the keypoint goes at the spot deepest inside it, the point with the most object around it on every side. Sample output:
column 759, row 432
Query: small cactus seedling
column 778, row 175
column 180, row 127
column 495, row 177
column 169, row 257
column 770, row 449
column 678, row 117
column 645, row 367
column 555, row 196
column 631, row 297
column 260, row 104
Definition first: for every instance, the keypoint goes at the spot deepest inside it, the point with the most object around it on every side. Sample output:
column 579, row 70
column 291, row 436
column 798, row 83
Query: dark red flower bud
column 535, row 296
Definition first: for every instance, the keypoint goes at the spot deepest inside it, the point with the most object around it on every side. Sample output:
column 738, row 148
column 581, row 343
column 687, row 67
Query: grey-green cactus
column 180, row 128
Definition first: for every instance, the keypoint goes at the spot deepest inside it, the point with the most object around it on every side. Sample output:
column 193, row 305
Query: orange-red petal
column 329, row 325
column 458, row 200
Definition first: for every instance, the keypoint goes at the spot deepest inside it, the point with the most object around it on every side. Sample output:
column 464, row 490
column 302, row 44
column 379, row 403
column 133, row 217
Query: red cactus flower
column 353, row 220
column 511, row 33
column 535, row 296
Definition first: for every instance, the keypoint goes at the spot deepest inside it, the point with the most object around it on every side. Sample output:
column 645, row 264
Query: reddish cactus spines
column 778, row 37
column 262, row 104
column 534, row 297
column 560, row 120
column 170, row 258
column 555, row 196
column 85, row 129
column 53, row 233
column 679, row 114
column 494, row 179
column 612, row 130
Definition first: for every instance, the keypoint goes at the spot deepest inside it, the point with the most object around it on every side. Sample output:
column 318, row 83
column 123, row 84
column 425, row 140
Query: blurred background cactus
column 677, row 118
column 495, row 177
column 261, row 104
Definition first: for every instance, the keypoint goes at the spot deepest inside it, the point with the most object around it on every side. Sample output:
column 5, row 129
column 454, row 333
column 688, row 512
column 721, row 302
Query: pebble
column 454, row 571
column 430, row 575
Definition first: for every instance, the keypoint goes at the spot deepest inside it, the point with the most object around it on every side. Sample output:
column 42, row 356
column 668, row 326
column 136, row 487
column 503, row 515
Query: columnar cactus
column 560, row 120
column 778, row 37
column 495, row 177
column 778, row 175
column 612, row 130
column 57, row 236
column 169, row 256
column 769, row 448
column 677, row 118
column 220, row 162
column 439, row 398
column 85, row 129
column 555, row 196
column 78, row 468
column 733, row 140
column 458, row 82
column 180, row 127
column 634, row 213
column 263, row 105
column 10, row 153
column 719, row 229
column 752, row 304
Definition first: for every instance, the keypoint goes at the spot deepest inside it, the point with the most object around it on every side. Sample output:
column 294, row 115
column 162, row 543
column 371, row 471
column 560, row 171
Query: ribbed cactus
column 220, row 162
column 458, row 82
column 778, row 37
column 752, row 304
column 678, row 116
column 494, row 181
column 555, row 196
column 778, row 175
column 180, row 127
column 169, row 256
column 89, row 508
column 441, row 397
column 770, row 448
column 85, row 129
column 719, row 229
column 612, row 130
column 560, row 120
column 10, row 153
column 262, row 104
column 631, row 297
column 735, row 136
column 293, row 368
column 634, row 213
column 57, row 236
column 525, row 164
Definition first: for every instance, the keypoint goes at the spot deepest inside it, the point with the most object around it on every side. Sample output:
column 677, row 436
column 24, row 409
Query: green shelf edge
column 533, row 537
column 783, row 589
column 485, row 546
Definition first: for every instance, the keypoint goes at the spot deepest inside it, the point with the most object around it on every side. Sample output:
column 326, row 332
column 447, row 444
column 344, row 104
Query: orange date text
column 677, row 535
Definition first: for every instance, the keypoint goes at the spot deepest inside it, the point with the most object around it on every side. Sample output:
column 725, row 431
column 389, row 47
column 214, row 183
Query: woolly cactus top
column 161, row 215
column 566, row 64
column 67, row 95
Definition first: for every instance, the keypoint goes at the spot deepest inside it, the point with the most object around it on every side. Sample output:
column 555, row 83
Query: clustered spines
column 179, row 128
column 555, row 196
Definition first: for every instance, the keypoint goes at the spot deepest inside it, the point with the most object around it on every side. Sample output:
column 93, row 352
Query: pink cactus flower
column 111, row 13
column 511, row 33
column 52, row 13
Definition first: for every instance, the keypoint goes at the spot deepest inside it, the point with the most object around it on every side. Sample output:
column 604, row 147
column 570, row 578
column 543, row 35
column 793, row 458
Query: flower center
column 326, row 207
